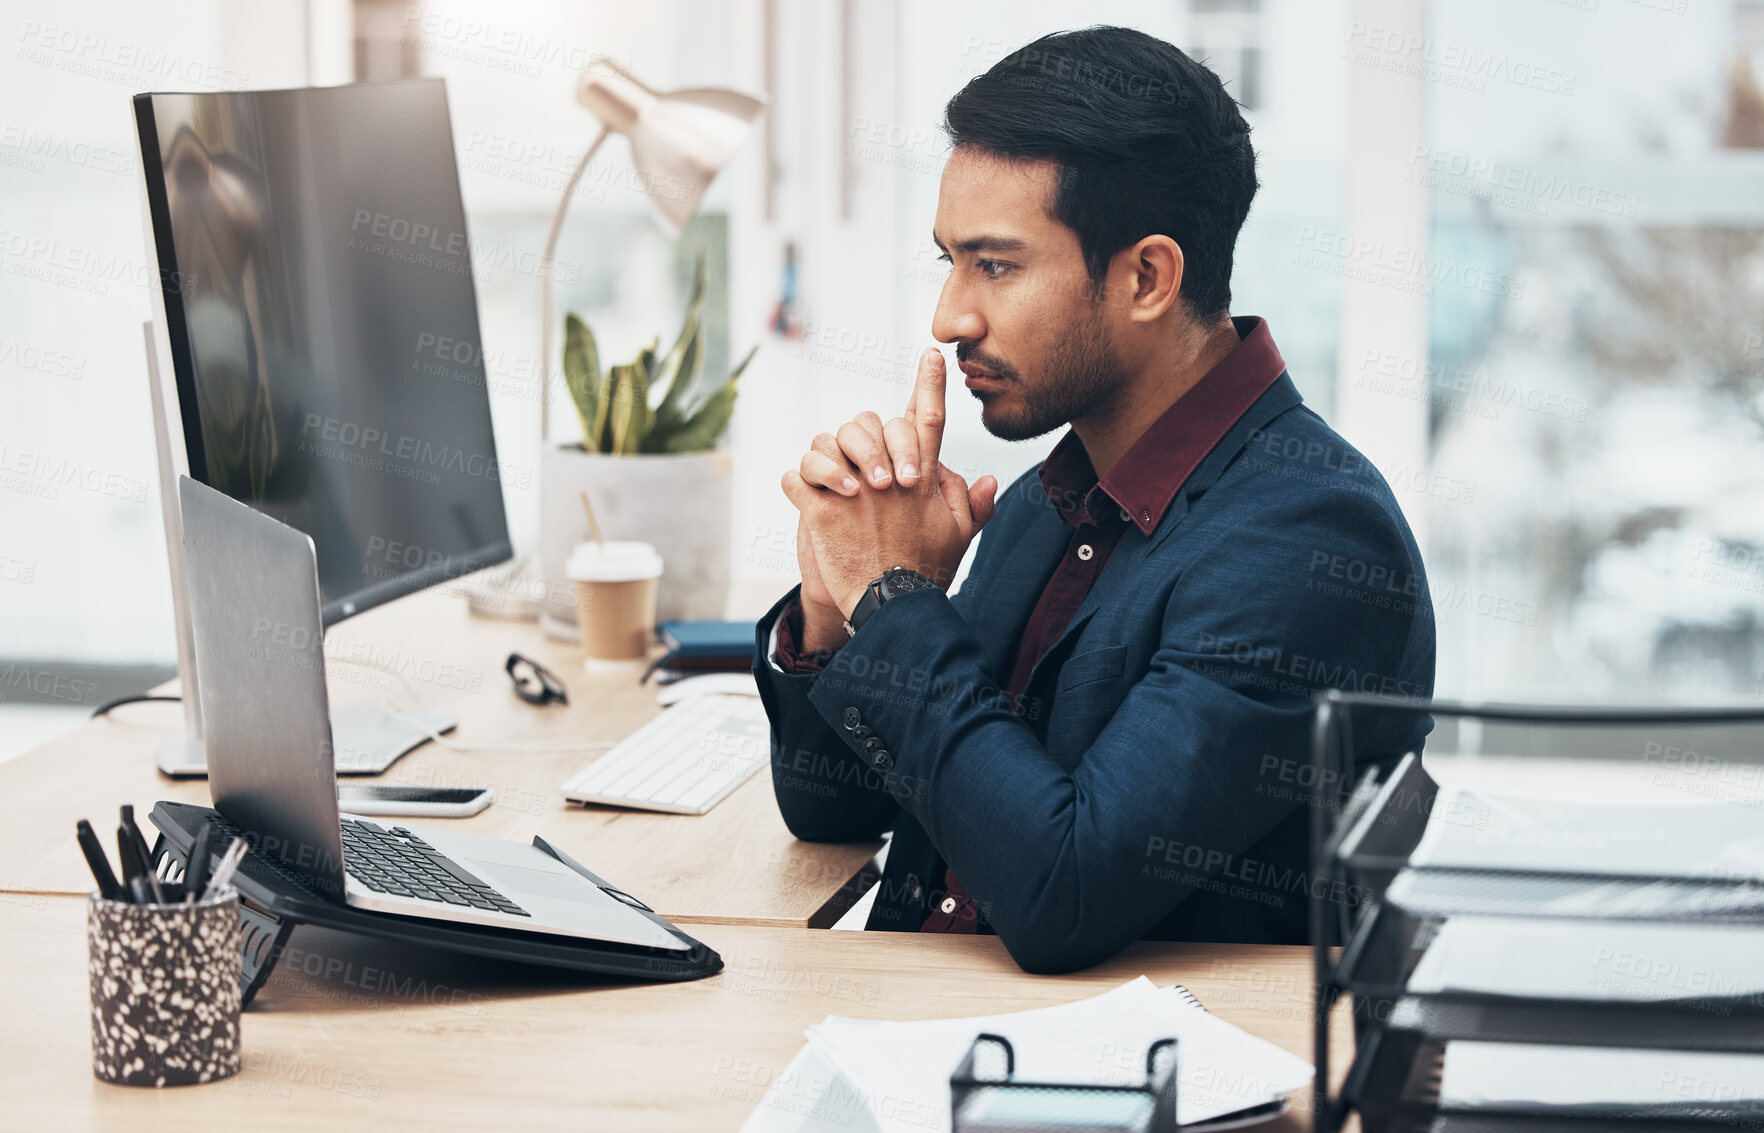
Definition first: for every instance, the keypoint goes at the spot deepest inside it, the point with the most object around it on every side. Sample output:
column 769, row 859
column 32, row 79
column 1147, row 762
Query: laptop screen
column 260, row 675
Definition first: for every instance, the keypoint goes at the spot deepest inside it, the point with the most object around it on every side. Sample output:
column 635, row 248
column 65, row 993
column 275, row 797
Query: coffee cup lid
column 615, row 561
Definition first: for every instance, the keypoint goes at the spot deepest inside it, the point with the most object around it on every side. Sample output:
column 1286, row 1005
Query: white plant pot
column 680, row 502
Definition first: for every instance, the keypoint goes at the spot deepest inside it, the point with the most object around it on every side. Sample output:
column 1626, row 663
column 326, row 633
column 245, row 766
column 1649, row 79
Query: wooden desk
column 354, row 1034
column 737, row 864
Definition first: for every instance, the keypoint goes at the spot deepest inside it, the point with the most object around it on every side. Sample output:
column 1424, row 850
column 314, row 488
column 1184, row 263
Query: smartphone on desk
column 413, row 802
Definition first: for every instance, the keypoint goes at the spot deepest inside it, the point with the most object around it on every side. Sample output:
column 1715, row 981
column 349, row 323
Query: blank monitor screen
column 323, row 325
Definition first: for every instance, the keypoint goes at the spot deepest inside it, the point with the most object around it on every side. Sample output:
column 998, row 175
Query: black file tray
column 273, row 900
column 1367, row 948
column 989, row 1068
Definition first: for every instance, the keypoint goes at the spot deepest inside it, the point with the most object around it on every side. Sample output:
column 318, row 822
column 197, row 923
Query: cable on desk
column 519, row 749
column 122, row 700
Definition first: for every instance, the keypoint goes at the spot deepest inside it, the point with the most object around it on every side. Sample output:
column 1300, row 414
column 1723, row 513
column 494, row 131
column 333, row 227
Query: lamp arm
column 545, row 288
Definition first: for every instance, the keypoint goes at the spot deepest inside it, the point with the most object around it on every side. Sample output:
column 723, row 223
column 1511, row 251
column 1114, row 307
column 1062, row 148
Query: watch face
column 900, row 581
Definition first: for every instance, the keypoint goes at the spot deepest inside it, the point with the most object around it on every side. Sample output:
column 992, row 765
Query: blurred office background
column 1513, row 249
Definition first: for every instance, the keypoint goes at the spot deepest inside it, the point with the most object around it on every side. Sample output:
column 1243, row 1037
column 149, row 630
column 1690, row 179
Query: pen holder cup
column 165, row 990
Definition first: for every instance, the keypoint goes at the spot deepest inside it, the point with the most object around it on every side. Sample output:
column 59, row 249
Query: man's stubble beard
column 1079, row 380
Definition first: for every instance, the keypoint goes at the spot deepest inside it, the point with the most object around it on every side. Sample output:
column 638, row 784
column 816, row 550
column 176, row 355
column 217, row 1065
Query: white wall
column 82, row 563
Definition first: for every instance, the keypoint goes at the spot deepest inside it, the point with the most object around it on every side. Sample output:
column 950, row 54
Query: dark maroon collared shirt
column 1127, row 503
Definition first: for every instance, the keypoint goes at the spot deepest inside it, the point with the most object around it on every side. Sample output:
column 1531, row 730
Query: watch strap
column 875, row 594
column 867, row 604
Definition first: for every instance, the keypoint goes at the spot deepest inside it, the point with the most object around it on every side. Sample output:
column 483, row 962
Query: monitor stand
column 367, row 740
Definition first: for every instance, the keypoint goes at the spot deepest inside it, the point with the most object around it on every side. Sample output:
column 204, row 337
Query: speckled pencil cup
column 165, row 990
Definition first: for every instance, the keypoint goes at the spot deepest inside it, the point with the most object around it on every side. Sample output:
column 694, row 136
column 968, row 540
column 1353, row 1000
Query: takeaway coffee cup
column 616, row 587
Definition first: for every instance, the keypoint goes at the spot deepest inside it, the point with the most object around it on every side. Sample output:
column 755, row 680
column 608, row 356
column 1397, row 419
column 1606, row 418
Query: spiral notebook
column 893, row 1077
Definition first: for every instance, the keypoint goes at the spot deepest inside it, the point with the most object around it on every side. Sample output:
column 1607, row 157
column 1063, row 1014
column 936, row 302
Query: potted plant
column 653, row 473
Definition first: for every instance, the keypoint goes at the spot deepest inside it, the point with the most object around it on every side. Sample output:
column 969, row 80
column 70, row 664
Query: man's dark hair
column 1146, row 141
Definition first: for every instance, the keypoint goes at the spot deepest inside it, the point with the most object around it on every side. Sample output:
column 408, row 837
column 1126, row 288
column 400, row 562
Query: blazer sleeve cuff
column 890, row 691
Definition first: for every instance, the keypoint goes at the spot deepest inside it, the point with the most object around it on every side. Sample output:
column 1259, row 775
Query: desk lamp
column 680, row 140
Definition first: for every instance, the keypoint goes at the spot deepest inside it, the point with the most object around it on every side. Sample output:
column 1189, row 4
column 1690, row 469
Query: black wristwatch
column 892, row 584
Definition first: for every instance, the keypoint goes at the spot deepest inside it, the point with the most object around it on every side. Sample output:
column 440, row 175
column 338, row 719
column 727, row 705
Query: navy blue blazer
column 1155, row 780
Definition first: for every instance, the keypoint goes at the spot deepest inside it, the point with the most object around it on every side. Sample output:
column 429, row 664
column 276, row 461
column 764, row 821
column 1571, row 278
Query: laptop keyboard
column 398, row 862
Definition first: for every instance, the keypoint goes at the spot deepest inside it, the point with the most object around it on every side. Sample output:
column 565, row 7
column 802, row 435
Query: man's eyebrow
column 983, row 244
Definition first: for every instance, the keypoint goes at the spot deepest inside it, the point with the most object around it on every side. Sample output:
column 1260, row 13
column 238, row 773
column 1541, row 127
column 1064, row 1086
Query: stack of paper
column 1483, row 831
column 1596, row 1080
column 857, row 1074
column 1604, row 961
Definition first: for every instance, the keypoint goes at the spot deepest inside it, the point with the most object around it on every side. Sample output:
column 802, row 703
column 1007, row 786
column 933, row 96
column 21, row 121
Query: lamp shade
column 679, row 139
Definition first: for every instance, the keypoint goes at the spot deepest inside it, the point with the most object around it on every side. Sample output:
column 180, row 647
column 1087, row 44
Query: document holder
column 1367, row 949
column 272, row 901
column 985, row 1096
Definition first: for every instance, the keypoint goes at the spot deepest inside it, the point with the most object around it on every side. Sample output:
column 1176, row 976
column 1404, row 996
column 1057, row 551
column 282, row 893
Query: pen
column 223, row 873
column 134, row 867
column 196, row 874
column 128, row 821
column 89, row 845
column 127, row 857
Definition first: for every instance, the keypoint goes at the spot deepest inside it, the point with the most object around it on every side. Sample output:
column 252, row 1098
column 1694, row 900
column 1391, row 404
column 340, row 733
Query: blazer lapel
column 1277, row 399
column 1134, row 550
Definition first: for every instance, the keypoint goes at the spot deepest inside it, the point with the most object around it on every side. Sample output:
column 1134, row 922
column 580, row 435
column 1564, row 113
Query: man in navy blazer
column 1104, row 734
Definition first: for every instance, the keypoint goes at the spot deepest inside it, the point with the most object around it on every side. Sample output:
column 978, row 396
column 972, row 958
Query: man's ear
column 1151, row 277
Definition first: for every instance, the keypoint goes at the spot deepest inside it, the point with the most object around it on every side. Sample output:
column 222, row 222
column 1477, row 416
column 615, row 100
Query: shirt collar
column 1144, row 481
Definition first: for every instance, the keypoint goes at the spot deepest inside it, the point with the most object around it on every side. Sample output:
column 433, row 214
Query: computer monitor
column 316, row 342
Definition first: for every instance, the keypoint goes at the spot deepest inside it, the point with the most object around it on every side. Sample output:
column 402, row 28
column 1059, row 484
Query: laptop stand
column 272, row 901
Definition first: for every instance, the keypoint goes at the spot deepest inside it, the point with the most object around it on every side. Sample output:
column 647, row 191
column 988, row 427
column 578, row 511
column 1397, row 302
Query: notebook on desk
column 701, row 646
column 702, row 640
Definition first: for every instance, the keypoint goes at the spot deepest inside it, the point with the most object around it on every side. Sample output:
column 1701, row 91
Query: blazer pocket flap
column 1095, row 665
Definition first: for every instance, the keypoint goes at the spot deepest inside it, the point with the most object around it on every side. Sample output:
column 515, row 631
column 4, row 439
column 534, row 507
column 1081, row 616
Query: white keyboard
column 684, row 761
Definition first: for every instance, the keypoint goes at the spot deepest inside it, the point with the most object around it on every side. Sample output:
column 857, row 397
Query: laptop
column 254, row 610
